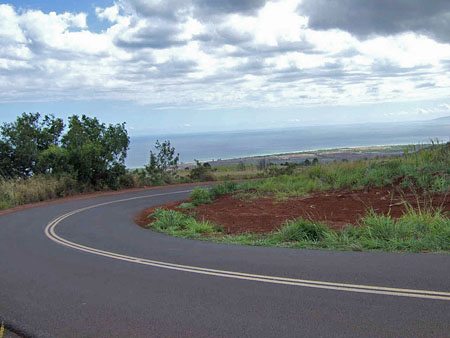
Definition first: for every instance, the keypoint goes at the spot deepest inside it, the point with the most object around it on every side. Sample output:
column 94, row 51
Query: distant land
column 246, row 144
column 442, row 119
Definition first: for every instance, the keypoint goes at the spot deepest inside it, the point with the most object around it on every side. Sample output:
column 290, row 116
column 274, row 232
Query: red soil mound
column 336, row 208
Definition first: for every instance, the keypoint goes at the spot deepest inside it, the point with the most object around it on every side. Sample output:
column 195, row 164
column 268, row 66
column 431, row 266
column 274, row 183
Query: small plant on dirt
column 223, row 189
column 302, row 230
column 186, row 206
column 165, row 219
column 179, row 224
column 200, row 196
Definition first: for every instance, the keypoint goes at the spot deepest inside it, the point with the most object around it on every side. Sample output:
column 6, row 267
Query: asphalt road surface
column 94, row 273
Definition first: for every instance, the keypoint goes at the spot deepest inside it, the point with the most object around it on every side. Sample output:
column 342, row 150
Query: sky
column 180, row 66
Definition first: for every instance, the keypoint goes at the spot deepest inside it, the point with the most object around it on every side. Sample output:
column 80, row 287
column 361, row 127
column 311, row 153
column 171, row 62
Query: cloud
column 214, row 54
column 380, row 17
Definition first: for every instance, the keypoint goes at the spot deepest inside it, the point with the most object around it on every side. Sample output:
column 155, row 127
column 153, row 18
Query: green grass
column 205, row 196
column 416, row 231
column 200, row 196
column 427, row 169
column 2, row 330
column 179, row 224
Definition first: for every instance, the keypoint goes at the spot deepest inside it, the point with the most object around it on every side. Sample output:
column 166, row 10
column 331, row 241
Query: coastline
column 323, row 155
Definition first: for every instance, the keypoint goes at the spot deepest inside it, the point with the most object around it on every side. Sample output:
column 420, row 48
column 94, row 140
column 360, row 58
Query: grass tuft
column 424, row 231
column 179, row 224
column 301, row 230
column 200, row 196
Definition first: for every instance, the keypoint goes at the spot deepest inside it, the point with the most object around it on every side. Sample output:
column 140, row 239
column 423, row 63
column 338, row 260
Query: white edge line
column 51, row 234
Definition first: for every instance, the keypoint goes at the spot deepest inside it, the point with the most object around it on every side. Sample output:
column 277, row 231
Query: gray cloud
column 383, row 68
column 381, row 17
column 206, row 7
column 172, row 10
column 176, row 10
column 156, row 36
column 164, row 18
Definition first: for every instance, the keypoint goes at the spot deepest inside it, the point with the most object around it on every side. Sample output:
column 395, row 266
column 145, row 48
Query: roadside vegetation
column 422, row 227
column 414, row 231
column 43, row 157
column 427, row 170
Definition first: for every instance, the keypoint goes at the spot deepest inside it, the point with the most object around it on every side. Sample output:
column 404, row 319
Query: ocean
column 226, row 145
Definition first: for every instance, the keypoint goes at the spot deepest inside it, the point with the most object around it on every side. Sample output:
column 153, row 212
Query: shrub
column 201, row 172
column 200, row 196
column 127, row 181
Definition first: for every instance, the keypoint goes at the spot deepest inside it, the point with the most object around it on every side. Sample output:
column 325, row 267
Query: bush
column 302, row 230
column 127, row 181
column 200, row 196
column 201, row 172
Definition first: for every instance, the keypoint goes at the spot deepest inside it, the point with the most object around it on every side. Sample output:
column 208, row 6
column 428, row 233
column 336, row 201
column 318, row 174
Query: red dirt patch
column 336, row 208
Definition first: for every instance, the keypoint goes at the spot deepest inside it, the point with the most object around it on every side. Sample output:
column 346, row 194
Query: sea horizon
column 210, row 146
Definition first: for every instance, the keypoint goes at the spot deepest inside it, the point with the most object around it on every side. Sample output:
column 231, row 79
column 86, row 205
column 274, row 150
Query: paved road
column 94, row 273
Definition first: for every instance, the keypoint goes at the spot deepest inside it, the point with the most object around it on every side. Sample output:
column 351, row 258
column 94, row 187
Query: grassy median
column 421, row 228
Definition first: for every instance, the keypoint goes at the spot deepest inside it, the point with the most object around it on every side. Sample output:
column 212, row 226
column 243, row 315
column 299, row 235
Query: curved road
column 82, row 268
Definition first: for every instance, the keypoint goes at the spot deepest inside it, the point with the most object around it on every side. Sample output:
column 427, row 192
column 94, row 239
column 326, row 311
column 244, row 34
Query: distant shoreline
column 323, row 155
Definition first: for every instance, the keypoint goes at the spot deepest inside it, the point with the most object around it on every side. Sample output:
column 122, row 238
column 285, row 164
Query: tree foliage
column 96, row 152
column 163, row 163
column 90, row 151
column 22, row 141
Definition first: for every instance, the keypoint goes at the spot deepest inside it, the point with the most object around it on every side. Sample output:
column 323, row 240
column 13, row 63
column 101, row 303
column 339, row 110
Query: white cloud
column 200, row 54
column 109, row 13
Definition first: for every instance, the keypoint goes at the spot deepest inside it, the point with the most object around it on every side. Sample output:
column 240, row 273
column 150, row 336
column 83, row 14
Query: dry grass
column 35, row 189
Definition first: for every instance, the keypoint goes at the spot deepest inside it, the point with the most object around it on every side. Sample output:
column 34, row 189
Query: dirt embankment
column 335, row 208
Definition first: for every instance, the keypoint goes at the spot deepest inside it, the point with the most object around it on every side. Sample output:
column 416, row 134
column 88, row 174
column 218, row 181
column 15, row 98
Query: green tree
column 96, row 152
column 22, row 141
column 54, row 160
column 163, row 164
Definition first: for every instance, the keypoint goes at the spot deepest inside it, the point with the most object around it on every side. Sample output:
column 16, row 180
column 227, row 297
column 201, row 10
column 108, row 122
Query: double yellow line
column 368, row 289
